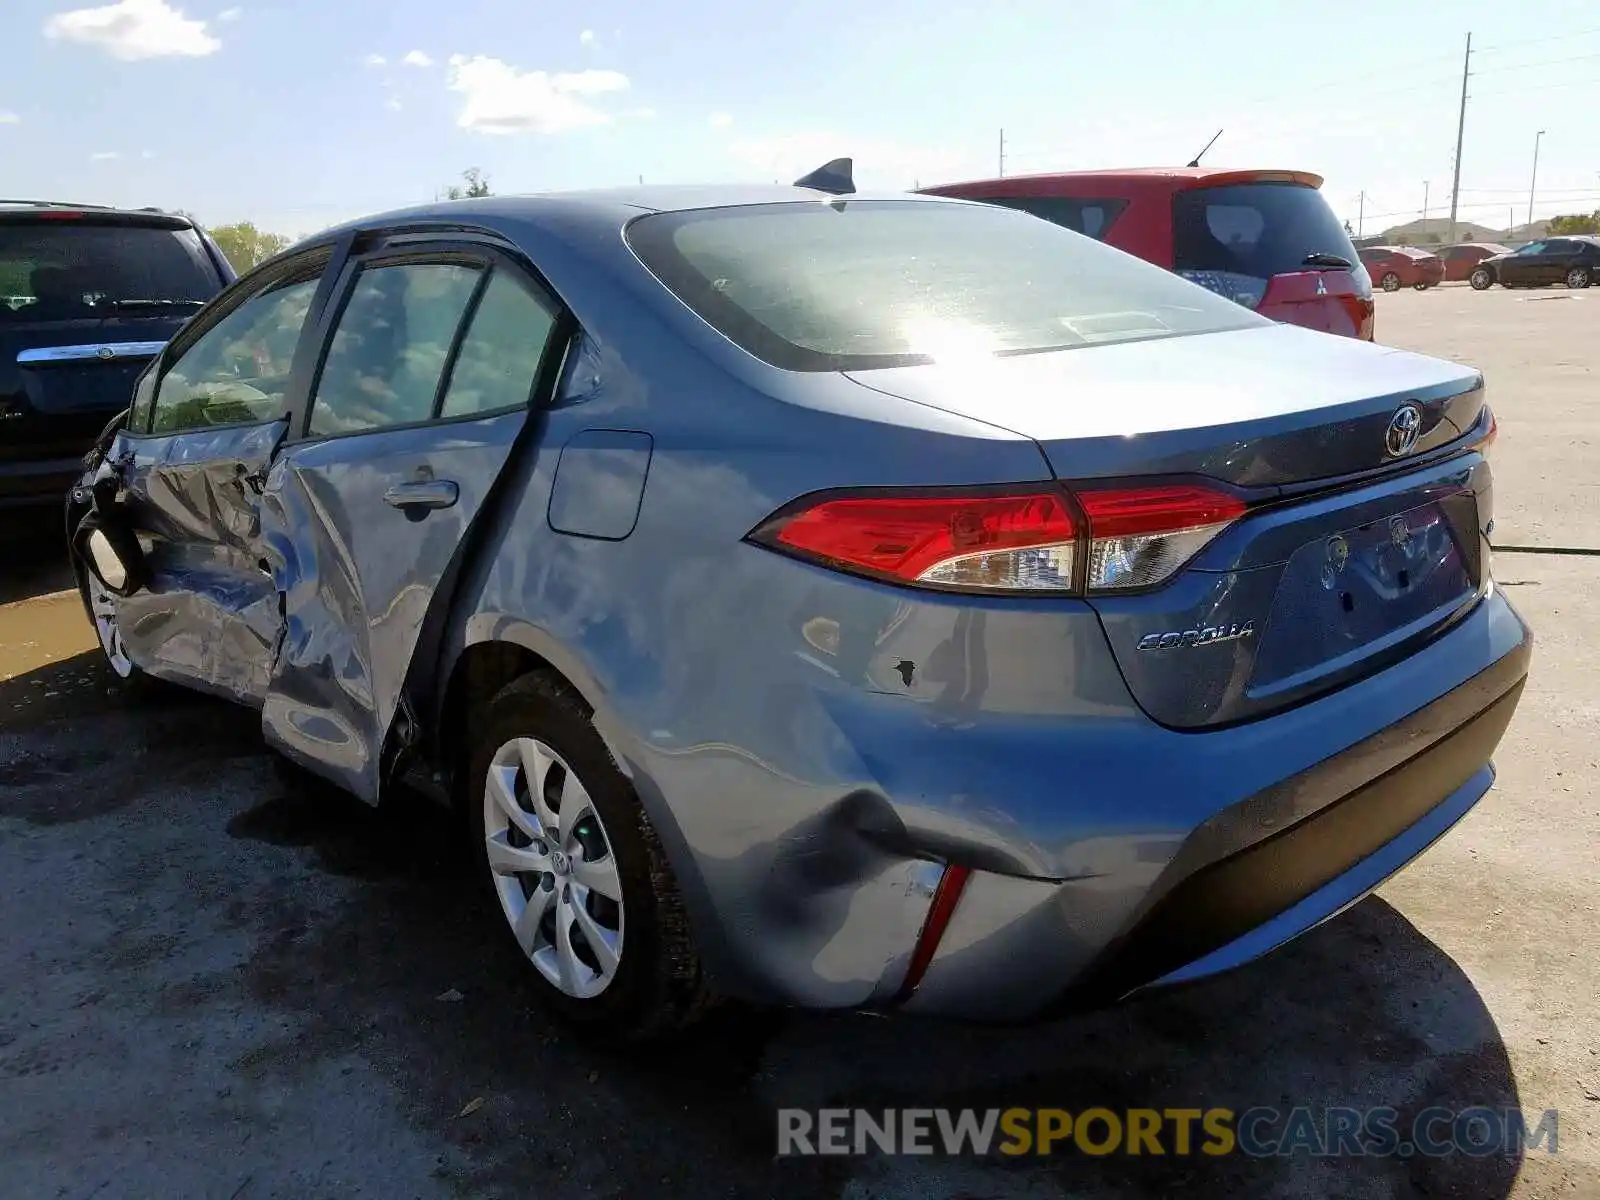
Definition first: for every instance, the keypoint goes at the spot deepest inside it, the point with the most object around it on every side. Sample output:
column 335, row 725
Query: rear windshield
column 1255, row 230
column 853, row 285
column 60, row 270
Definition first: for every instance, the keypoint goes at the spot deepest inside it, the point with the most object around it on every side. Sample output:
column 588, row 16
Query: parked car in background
column 87, row 297
column 883, row 602
column 1459, row 260
column 1573, row 261
column 1265, row 239
column 1395, row 267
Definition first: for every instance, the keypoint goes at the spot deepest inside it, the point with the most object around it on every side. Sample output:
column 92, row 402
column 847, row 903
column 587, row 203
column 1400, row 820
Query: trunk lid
column 1350, row 555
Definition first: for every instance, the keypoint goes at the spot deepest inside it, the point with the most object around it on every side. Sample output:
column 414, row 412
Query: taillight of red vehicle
column 1029, row 539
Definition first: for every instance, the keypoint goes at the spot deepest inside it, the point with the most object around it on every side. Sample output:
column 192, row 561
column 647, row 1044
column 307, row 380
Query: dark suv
column 88, row 296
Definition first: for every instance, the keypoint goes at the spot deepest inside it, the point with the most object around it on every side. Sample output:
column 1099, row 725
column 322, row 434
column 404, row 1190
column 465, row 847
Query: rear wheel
column 1390, row 282
column 576, row 868
column 1422, row 285
column 1578, row 277
column 1481, row 279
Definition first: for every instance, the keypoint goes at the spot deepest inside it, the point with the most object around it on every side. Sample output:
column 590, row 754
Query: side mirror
column 112, row 554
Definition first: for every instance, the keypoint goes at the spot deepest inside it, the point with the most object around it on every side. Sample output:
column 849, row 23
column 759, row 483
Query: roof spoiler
column 836, row 178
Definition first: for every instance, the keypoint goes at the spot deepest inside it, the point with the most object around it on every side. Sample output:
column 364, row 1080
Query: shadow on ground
column 1364, row 1012
column 33, row 559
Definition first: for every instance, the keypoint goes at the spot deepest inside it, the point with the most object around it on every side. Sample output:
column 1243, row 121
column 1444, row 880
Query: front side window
column 500, row 356
column 237, row 372
column 1531, row 249
column 390, row 346
column 858, row 284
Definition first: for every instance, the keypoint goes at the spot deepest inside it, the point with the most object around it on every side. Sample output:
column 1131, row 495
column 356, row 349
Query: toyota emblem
column 106, row 352
column 1405, row 426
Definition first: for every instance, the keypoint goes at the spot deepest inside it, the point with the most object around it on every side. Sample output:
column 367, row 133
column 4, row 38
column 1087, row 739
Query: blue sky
column 300, row 113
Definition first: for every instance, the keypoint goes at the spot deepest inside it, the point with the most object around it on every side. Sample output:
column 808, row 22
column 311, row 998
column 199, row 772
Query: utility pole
column 1461, row 133
column 1361, row 215
column 1533, row 180
column 1424, row 206
column 1002, row 153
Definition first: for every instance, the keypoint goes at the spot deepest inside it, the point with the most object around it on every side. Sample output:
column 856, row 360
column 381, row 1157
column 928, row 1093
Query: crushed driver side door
column 436, row 355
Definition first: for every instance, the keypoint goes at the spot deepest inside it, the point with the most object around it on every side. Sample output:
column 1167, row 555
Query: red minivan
column 1266, row 239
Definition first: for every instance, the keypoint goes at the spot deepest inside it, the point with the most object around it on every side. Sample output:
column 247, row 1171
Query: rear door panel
column 366, row 529
column 359, row 577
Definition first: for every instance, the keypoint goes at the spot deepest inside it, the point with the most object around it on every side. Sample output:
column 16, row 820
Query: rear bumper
column 1252, row 876
column 38, row 482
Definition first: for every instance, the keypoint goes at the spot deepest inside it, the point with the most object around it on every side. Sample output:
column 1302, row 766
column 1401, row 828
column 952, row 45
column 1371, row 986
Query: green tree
column 1576, row 223
column 245, row 245
column 477, row 184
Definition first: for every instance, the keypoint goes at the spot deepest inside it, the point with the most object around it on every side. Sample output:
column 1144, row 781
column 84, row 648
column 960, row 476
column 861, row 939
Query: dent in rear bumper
column 1253, row 876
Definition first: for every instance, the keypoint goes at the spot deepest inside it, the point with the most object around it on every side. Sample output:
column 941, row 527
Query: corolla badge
column 105, row 352
column 1405, row 427
column 1206, row 635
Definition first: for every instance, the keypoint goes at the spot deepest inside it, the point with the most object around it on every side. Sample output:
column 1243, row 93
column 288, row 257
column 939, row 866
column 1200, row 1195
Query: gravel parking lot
column 216, row 983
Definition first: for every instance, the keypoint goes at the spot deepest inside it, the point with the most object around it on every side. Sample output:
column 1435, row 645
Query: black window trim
column 319, row 261
column 1114, row 207
column 380, row 248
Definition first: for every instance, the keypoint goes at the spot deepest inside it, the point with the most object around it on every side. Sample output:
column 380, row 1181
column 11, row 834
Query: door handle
column 428, row 493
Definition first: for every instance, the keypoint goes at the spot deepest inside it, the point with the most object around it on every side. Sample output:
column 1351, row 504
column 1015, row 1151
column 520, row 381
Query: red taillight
column 1027, row 540
column 1022, row 540
column 57, row 214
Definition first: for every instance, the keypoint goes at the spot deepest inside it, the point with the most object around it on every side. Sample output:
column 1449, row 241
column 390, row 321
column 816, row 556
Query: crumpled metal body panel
column 211, row 618
column 358, row 578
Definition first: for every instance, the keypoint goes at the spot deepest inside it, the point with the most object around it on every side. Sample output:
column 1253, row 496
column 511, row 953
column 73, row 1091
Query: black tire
column 133, row 682
column 1481, row 279
column 1578, row 277
column 658, row 988
column 1390, row 282
column 1422, row 286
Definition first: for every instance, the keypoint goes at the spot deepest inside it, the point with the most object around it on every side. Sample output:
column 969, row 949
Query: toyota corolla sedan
column 811, row 598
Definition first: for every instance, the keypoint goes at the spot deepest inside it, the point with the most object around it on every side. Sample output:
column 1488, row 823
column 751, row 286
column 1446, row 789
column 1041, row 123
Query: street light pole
column 1425, row 206
column 1533, row 180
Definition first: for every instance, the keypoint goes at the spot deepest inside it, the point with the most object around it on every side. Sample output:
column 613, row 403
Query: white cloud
column 587, row 37
column 393, row 104
column 9, row 118
column 417, row 59
column 374, row 60
column 641, row 114
column 105, row 156
column 147, row 154
column 721, row 120
column 135, row 29
column 498, row 98
column 230, row 14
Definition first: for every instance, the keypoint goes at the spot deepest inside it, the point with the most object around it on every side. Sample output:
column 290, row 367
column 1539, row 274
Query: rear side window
column 1234, row 239
column 499, row 358
column 853, row 285
column 62, row 270
column 1092, row 218
column 390, row 347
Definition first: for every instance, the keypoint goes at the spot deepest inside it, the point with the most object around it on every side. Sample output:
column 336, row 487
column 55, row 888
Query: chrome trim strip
column 91, row 352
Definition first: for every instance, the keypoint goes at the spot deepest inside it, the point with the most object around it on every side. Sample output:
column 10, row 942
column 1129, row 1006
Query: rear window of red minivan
column 1236, row 237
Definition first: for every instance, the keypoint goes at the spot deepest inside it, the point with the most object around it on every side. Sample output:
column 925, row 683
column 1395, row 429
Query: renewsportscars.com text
column 1257, row 1132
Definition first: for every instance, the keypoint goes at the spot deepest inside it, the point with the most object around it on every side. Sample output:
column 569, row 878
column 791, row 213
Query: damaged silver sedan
column 890, row 603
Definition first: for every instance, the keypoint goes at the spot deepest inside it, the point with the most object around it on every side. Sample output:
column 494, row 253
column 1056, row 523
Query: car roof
column 15, row 210
column 1171, row 178
column 609, row 205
